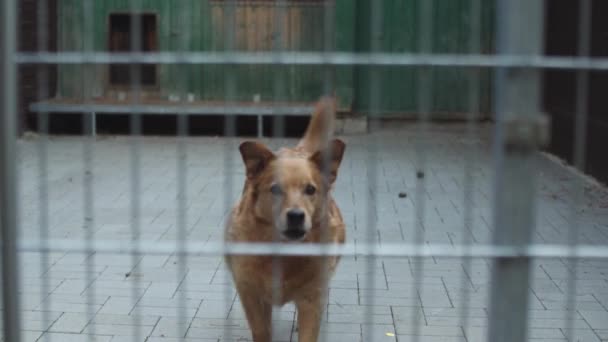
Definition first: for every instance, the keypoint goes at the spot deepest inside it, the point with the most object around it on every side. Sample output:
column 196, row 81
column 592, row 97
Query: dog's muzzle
column 295, row 224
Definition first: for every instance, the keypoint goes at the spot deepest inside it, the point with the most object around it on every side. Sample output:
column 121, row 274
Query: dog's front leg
column 310, row 314
column 258, row 313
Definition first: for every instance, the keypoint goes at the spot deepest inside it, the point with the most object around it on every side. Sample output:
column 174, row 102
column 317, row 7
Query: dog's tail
column 321, row 126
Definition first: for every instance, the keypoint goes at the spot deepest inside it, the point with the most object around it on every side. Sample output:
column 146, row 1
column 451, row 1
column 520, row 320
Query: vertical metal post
column 519, row 32
column 469, row 159
column 372, row 160
column 424, row 107
column 229, row 147
column 88, row 164
column 135, row 131
column 260, row 126
column 42, row 78
column 329, row 15
column 278, row 130
column 8, row 180
column 580, row 146
column 93, row 124
column 182, row 168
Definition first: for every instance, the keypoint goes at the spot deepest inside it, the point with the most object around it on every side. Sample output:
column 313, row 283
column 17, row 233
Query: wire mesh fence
column 471, row 249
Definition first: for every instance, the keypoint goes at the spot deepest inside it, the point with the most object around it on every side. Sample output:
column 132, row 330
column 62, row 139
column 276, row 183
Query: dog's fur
column 277, row 186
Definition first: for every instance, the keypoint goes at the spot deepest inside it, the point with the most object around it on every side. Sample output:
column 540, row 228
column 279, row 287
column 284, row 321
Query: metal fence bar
column 328, row 88
column 88, row 150
column 372, row 160
column 390, row 250
column 135, row 130
column 519, row 30
column 425, row 45
column 178, row 109
column 8, row 177
column 42, row 121
column 280, row 15
column 580, row 144
column 469, row 161
column 183, row 77
column 258, row 97
column 507, row 60
column 229, row 149
column 329, row 72
column 278, row 131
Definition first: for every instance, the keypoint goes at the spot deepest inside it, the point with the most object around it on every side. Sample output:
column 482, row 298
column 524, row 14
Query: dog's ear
column 256, row 157
column 329, row 159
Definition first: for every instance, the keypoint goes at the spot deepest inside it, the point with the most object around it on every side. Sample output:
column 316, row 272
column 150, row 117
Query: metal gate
column 518, row 132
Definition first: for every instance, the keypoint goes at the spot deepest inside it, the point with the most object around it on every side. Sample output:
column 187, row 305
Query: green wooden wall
column 399, row 86
column 196, row 25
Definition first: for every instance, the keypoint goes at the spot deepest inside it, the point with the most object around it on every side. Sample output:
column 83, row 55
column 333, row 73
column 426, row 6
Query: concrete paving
column 154, row 298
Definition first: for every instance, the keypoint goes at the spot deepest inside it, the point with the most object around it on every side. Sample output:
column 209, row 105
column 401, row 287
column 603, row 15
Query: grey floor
column 138, row 298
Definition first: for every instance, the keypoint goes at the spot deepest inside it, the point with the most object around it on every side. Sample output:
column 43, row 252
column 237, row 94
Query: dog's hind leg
column 258, row 313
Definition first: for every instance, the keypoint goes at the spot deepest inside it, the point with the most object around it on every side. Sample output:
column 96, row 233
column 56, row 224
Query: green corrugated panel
column 400, row 33
column 300, row 83
column 400, row 88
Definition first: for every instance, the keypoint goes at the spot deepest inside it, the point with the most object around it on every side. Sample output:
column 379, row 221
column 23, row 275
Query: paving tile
column 602, row 334
column 117, row 306
column 595, row 319
column 545, row 333
column 30, row 336
column 176, row 339
column 170, row 327
column 557, row 323
column 337, row 337
column 378, row 332
column 70, row 323
column 456, row 321
column 125, row 319
column 118, row 329
column 215, row 309
column 407, row 329
column 410, row 338
column 583, row 335
column 74, row 337
column 162, row 289
column 164, row 311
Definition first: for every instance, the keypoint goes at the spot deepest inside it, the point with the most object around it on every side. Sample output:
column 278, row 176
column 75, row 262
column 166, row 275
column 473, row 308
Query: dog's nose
column 295, row 218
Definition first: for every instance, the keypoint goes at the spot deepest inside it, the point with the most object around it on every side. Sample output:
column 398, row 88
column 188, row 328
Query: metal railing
column 517, row 65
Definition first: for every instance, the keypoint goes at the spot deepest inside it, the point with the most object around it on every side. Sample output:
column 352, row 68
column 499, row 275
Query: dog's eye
column 310, row 190
column 276, row 189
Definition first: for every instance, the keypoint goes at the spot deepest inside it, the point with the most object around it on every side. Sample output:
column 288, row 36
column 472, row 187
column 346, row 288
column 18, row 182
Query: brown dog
column 287, row 198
